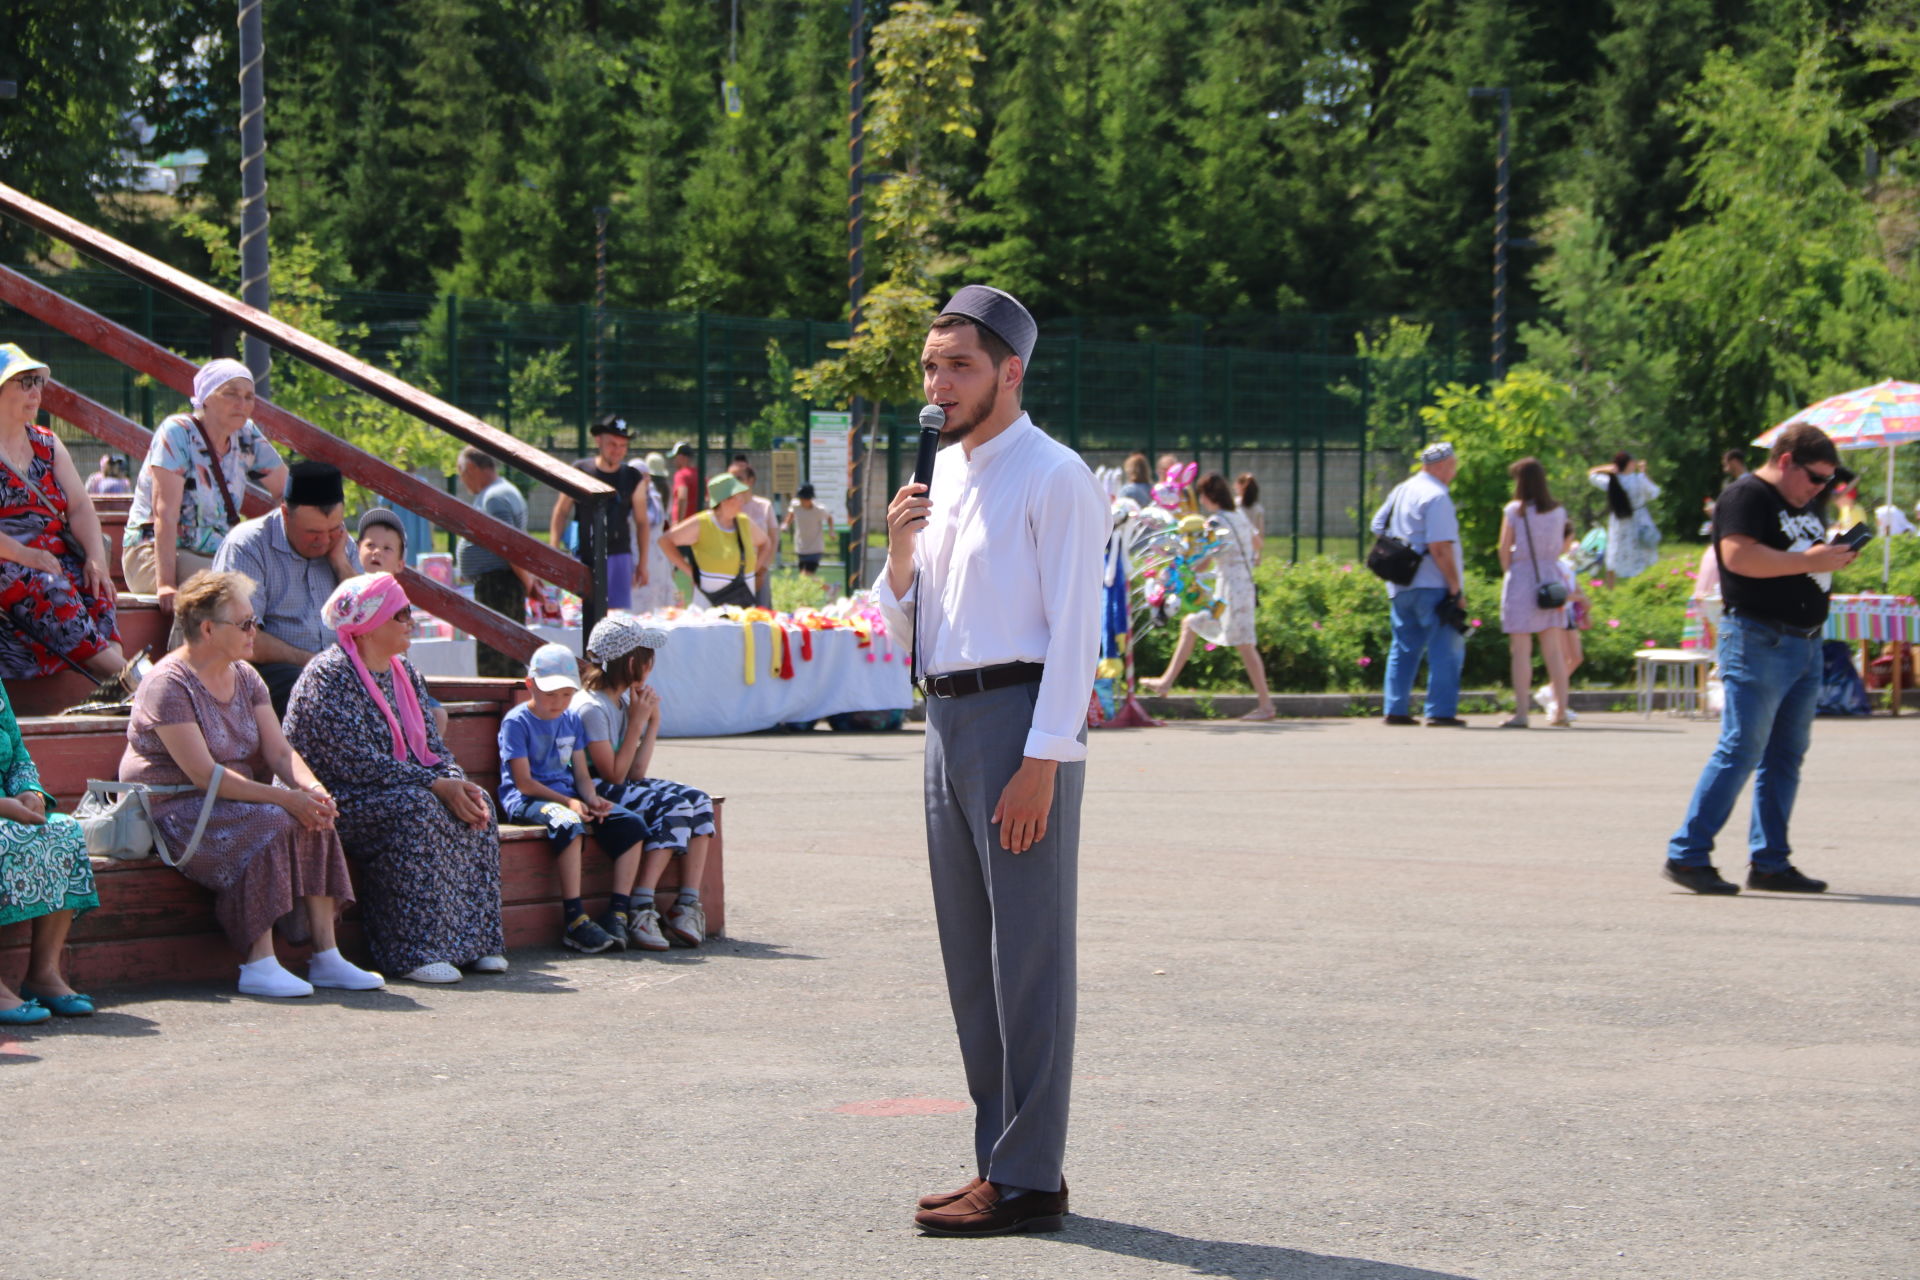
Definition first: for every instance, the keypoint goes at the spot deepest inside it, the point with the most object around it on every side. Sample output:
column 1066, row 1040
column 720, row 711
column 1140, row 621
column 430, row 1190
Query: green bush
column 1324, row 627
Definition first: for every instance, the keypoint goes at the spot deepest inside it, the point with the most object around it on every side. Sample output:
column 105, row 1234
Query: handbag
column 736, row 592
column 1393, row 559
column 116, row 818
column 1548, row 595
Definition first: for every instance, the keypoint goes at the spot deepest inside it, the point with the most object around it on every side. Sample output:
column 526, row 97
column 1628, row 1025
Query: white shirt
column 1893, row 520
column 1009, row 566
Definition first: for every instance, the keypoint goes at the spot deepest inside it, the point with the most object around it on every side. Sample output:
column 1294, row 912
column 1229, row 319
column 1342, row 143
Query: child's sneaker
column 614, row 925
column 584, row 935
column 643, row 930
column 687, row 924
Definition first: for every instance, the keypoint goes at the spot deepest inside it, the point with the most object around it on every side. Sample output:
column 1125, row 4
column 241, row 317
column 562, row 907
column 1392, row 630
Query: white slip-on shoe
column 489, row 964
column 438, row 972
column 331, row 969
column 268, row 978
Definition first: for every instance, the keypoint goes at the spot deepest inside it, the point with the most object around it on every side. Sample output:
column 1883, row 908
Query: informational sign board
column 786, row 471
column 827, row 435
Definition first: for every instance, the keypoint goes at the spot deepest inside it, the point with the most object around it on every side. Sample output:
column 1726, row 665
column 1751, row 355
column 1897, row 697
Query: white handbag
column 117, row 819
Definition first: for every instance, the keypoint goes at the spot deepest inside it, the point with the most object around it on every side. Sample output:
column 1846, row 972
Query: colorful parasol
column 1876, row 417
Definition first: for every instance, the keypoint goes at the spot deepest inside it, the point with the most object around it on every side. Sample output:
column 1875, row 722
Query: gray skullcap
column 1438, row 451
column 999, row 311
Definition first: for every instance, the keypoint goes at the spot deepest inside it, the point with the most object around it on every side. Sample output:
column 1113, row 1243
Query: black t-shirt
column 1752, row 507
column 619, row 508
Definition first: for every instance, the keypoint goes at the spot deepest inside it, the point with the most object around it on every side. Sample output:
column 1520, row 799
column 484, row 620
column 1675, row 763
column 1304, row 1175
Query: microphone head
column 932, row 417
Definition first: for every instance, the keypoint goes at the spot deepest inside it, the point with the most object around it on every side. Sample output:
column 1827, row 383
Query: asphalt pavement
column 1356, row 1002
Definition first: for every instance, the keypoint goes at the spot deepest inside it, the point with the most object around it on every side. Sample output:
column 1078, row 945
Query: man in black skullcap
column 994, row 578
column 297, row 554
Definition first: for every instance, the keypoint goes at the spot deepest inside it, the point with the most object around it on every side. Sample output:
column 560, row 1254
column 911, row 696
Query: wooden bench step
column 155, row 925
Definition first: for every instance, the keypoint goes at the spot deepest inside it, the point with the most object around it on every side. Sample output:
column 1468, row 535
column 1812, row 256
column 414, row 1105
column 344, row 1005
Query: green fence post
column 726, row 392
column 453, row 350
column 700, row 389
column 1294, row 433
column 146, row 329
column 1320, row 471
column 1360, row 512
column 583, row 376
column 1226, row 429
column 1153, row 398
column 1073, row 373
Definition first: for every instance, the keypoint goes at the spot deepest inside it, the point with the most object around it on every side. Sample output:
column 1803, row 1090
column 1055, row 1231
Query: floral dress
column 1230, row 622
column 179, row 446
column 430, row 883
column 258, row 860
column 50, row 613
column 43, row 868
column 1633, row 543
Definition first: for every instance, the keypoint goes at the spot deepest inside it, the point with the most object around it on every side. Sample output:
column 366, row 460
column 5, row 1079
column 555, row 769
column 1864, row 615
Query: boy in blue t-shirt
column 543, row 775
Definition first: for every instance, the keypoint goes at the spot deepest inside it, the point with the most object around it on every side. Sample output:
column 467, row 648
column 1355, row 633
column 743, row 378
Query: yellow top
column 718, row 552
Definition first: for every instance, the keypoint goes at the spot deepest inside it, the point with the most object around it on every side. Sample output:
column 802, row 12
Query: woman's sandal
column 1514, row 722
column 1258, row 714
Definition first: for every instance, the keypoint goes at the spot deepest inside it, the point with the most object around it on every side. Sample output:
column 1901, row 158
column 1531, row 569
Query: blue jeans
column 1772, row 685
column 1417, row 632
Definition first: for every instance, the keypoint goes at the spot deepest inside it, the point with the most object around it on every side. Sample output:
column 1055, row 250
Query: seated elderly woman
column 192, row 483
column 269, row 852
column 55, row 591
column 422, row 836
column 45, row 877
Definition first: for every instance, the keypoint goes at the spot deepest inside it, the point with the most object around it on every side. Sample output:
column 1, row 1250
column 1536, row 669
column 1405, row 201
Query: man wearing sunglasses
column 1775, row 575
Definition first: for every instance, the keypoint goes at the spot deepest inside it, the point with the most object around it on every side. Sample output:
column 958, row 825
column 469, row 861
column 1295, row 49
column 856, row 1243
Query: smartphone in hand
column 1857, row 537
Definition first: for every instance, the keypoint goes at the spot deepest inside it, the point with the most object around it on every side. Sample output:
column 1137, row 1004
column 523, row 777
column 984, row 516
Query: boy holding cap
column 543, row 777
column 810, row 523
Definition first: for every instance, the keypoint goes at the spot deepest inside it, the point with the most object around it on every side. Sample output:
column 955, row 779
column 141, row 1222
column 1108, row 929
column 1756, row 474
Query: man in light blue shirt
column 1420, row 513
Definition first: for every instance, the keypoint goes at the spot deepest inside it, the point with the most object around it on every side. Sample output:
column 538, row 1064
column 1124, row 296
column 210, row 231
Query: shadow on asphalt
column 1870, row 899
column 1230, row 1258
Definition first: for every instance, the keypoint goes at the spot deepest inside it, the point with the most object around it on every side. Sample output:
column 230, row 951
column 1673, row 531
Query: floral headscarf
column 356, row 607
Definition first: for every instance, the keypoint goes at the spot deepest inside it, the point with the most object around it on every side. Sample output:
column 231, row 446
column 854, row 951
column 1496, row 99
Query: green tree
column 1524, row 416
column 922, row 111
column 1620, row 388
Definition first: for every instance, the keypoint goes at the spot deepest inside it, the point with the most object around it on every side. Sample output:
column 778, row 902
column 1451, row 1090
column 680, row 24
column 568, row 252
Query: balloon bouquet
column 1152, row 577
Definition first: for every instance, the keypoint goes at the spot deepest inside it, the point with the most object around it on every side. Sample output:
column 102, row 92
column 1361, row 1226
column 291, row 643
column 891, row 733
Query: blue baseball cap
column 552, row 667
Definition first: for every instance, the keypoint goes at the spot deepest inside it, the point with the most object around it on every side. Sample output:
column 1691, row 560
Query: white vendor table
column 700, row 675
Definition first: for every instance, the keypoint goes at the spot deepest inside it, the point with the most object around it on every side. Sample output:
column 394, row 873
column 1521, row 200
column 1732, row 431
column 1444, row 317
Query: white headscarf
column 216, row 374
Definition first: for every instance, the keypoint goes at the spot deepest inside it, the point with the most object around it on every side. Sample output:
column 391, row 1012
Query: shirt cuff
column 1047, row 746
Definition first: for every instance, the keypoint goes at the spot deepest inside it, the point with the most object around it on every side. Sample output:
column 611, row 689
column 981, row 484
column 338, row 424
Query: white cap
column 552, row 667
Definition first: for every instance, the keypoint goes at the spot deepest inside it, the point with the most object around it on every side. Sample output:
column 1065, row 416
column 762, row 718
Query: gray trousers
column 1006, row 932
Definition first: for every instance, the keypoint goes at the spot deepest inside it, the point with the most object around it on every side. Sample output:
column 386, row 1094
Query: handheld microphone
column 932, row 418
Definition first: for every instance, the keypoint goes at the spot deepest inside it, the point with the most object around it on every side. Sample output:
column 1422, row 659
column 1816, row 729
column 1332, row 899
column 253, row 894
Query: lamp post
column 1500, row 196
column 600, row 215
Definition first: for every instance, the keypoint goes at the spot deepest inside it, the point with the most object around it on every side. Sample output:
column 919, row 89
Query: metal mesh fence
column 1285, row 392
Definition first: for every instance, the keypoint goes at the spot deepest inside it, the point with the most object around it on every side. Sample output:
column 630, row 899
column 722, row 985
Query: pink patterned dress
column 256, row 858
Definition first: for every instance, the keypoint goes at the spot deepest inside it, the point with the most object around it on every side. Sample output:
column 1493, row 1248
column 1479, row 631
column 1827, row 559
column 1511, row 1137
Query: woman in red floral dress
column 56, row 596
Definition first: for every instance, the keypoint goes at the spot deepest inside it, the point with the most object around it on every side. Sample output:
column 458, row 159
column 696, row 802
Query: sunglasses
column 1820, row 479
column 28, row 381
column 248, row 625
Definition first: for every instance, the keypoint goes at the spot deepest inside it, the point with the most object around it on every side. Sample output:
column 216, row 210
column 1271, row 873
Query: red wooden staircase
column 153, row 924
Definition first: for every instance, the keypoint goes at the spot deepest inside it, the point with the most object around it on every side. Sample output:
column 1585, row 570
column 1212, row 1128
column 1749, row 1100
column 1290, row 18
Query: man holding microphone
column 993, row 578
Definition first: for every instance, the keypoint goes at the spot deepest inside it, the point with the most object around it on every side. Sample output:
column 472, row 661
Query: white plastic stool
column 1683, row 670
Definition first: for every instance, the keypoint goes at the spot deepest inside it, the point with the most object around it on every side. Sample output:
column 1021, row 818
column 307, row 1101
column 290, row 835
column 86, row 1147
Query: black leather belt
column 959, row 684
column 1785, row 629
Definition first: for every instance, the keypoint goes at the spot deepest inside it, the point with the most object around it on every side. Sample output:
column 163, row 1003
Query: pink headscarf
column 357, row 606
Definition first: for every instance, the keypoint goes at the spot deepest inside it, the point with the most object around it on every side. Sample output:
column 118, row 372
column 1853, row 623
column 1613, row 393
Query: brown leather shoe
column 981, row 1212
column 941, row 1199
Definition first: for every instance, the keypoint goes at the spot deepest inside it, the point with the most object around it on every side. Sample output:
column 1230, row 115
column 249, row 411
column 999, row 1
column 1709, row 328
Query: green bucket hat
column 15, row 361
column 724, row 486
